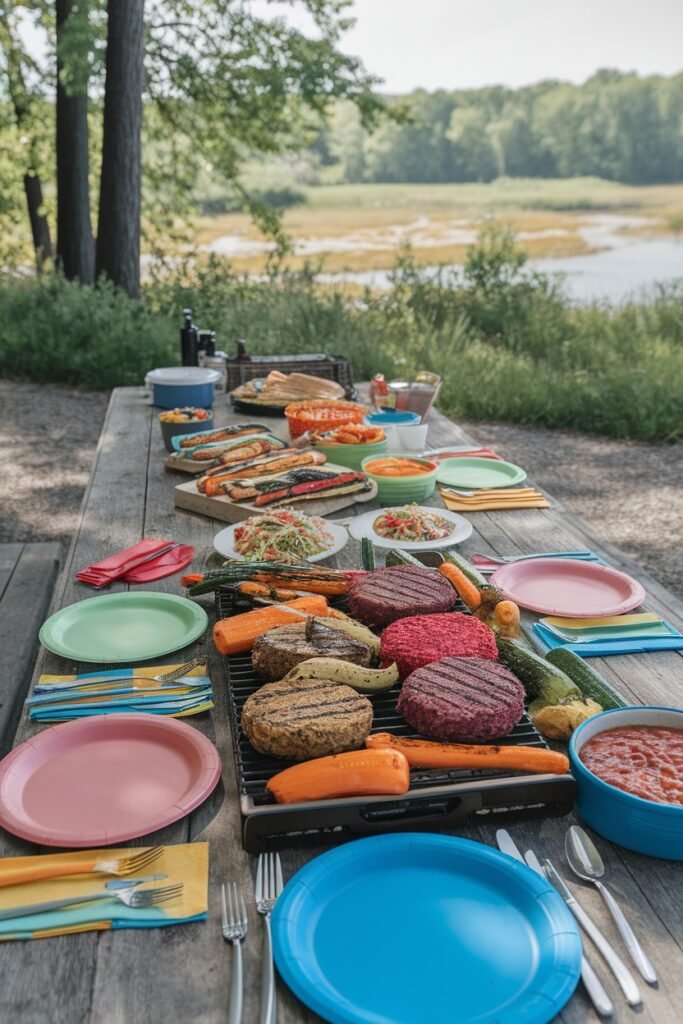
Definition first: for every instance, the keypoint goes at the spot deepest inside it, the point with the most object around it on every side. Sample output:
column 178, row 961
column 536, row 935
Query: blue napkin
column 613, row 645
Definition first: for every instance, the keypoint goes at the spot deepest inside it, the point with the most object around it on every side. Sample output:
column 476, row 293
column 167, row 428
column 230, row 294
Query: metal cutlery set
column 122, row 888
column 586, row 862
column 267, row 889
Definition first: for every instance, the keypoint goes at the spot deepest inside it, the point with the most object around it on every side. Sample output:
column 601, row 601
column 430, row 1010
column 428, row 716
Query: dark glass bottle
column 188, row 340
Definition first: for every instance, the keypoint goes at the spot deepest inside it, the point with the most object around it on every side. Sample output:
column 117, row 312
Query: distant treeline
column 616, row 126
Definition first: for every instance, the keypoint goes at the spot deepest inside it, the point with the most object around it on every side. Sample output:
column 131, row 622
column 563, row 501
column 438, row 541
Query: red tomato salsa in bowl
column 646, row 761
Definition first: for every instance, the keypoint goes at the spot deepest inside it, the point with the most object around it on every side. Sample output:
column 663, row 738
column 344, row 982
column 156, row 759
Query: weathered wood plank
column 24, row 601
column 9, row 556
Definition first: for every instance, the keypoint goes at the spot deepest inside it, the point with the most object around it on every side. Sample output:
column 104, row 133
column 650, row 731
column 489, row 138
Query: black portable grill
column 242, row 367
column 437, row 799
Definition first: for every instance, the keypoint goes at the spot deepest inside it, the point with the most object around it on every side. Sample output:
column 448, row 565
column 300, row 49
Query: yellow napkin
column 493, row 499
column 609, row 620
column 187, row 863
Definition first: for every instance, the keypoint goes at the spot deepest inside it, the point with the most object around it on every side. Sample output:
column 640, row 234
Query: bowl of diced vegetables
column 187, row 420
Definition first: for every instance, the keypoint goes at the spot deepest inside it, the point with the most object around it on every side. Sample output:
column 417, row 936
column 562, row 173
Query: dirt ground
column 630, row 493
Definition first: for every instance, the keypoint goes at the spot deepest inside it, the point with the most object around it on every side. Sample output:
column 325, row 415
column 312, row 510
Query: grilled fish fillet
column 272, row 465
column 223, row 434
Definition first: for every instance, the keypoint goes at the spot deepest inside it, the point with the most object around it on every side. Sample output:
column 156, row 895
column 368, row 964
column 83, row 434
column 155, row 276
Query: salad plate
column 99, row 781
column 363, row 526
column 224, row 542
column 477, row 473
column 128, row 627
column 402, row 928
column 568, row 587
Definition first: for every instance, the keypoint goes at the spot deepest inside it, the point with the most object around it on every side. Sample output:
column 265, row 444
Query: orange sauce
column 398, row 467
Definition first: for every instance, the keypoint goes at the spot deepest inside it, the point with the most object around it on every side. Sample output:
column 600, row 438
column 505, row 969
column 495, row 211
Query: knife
column 594, row 987
column 618, row 967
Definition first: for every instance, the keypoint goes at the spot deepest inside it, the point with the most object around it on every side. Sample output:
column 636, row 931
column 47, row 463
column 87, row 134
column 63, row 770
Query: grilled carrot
column 480, row 601
column 356, row 773
column 191, row 578
column 236, row 635
column 427, row 754
column 261, row 590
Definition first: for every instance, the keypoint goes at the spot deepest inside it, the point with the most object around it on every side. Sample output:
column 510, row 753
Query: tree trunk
column 21, row 102
column 118, row 229
column 75, row 243
column 40, row 228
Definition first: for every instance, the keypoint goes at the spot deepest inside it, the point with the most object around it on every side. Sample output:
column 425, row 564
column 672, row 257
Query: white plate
column 225, row 540
column 361, row 526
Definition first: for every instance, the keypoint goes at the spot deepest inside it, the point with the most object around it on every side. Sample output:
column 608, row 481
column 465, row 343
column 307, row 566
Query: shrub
column 506, row 341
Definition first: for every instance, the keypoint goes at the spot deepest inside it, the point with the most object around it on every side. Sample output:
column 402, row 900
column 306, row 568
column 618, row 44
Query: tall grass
column 507, row 342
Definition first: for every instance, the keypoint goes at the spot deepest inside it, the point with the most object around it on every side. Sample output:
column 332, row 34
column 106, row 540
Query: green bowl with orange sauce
column 401, row 478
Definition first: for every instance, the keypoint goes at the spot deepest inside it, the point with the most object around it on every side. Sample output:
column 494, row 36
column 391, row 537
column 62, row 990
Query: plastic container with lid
column 389, row 420
column 176, row 386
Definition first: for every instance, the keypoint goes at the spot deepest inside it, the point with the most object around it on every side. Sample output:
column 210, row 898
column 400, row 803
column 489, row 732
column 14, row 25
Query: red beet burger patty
column 418, row 640
column 467, row 700
column 398, row 590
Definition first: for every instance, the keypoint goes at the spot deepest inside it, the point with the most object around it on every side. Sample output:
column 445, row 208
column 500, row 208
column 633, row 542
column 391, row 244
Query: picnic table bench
column 27, row 577
column 183, row 973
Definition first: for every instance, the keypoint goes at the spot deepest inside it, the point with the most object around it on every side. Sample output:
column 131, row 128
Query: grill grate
column 552, row 794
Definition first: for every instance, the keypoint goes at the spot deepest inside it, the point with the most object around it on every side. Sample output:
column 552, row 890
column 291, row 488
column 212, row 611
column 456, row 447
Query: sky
column 455, row 44
column 464, row 44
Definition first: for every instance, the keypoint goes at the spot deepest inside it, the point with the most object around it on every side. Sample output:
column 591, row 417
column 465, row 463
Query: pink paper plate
column 560, row 586
column 104, row 780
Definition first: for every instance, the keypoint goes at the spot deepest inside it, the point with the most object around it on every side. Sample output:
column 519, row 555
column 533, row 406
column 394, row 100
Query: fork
column 505, row 560
column 128, row 865
column 234, row 931
column 163, row 677
column 138, row 899
column 267, row 889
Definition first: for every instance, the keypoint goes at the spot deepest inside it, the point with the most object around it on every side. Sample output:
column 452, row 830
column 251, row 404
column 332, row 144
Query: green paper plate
column 124, row 627
column 472, row 474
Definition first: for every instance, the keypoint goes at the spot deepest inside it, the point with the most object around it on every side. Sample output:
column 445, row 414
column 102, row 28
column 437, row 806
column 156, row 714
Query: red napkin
column 478, row 453
column 164, row 565
column 117, row 566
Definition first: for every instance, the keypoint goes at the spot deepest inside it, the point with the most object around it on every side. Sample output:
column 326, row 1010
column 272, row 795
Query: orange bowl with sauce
column 401, row 478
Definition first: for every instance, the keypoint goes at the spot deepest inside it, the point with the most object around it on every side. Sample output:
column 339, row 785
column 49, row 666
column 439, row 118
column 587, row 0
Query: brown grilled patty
column 466, row 700
column 309, row 719
column 281, row 649
column 399, row 590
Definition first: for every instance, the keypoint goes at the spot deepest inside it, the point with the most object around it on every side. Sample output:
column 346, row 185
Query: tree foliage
column 223, row 79
column 616, row 126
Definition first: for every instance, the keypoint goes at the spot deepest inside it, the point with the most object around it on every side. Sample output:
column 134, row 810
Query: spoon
column 586, row 862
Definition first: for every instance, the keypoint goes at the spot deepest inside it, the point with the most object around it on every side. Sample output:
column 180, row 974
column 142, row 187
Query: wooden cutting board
column 221, row 507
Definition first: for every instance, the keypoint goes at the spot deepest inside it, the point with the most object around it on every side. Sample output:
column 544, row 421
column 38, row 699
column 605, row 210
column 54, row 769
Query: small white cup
column 413, row 437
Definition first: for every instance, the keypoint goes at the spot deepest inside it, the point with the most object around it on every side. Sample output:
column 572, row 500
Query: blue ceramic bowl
column 171, row 430
column 642, row 825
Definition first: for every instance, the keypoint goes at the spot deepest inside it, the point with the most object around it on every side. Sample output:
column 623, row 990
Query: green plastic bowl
column 352, row 455
column 399, row 490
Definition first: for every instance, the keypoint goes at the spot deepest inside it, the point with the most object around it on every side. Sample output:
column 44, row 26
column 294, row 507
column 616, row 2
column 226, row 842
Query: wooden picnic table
column 183, row 973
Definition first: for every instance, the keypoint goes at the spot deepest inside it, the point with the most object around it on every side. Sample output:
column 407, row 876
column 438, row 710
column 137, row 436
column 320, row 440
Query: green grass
column 508, row 344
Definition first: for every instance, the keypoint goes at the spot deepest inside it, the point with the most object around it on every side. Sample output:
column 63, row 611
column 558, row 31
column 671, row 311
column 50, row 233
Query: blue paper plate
column 410, row 928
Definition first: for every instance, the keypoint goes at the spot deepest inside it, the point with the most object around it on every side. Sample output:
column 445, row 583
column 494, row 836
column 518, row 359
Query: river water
column 624, row 266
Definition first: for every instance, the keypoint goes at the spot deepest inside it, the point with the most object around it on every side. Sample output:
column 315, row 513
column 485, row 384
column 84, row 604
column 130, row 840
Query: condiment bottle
column 379, row 392
column 188, row 340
